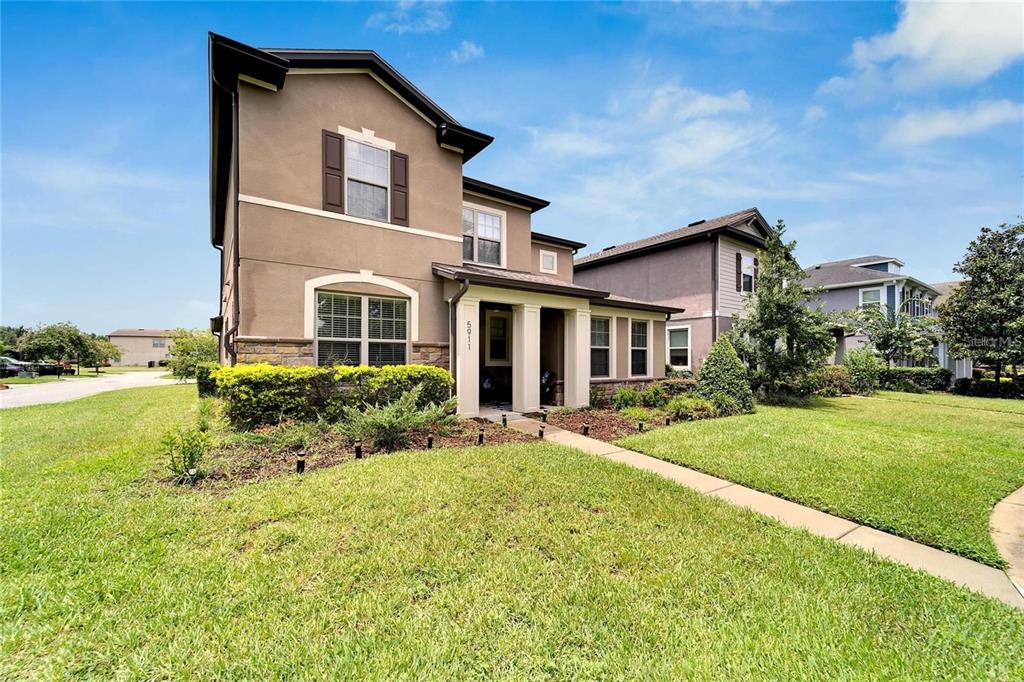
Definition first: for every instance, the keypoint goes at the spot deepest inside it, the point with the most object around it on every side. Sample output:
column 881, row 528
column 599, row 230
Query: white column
column 577, row 358
column 525, row 358
column 467, row 355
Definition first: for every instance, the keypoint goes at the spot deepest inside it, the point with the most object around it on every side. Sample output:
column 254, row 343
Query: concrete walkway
column 1007, row 526
column 21, row 395
column 989, row 581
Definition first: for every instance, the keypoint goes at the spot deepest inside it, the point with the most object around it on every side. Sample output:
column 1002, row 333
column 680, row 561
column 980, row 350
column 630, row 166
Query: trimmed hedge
column 724, row 372
column 987, row 388
column 260, row 394
column 925, row 378
column 832, row 381
column 863, row 367
column 204, row 379
column 679, row 386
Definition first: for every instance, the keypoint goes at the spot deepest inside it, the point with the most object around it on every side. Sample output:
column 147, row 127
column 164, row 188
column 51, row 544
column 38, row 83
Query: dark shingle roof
column 731, row 220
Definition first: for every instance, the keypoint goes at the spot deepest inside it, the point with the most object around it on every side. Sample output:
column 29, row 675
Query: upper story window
column 482, row 236
column 159, row 343
column 870, row 297
column 748, row 274
column 366, row 181
column 549, row 262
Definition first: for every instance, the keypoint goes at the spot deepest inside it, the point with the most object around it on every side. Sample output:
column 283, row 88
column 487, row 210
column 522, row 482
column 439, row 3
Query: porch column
column 466, row 346
column 525, row 358
column 577, row 358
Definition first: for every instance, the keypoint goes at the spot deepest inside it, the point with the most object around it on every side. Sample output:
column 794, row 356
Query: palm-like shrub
column 389, row 426
column 723, row 372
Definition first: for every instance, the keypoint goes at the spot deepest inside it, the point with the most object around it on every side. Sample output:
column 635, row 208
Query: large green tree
column 983, row 318
column 783, row 337
column 897, row 334
column 61, row 342
column 191, row 348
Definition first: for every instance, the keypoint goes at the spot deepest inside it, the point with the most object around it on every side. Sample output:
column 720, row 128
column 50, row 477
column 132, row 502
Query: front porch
column 520, row 350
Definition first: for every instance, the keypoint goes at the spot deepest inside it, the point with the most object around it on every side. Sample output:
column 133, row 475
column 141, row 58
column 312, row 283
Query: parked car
column 9, row 367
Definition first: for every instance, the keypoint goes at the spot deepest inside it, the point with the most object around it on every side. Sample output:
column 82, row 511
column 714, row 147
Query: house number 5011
column 469, row 335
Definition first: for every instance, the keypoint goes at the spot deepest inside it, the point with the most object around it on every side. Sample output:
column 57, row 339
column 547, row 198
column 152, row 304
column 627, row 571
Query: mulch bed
column 606, row 425
column 249, row 462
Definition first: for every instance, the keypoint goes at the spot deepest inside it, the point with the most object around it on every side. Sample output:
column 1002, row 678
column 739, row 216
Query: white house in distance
column 141, row 346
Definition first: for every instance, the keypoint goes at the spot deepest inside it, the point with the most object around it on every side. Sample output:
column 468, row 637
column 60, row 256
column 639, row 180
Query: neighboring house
column 708, row 268
column 877, row 280
column 141, row 346
column 349, row 235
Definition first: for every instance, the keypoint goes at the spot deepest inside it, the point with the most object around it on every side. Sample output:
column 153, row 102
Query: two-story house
column 878, row 281
column 348, row 234
column 708, row 268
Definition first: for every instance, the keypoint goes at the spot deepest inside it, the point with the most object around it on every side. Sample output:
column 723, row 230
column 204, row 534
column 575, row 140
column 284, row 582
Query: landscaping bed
column 605, row 424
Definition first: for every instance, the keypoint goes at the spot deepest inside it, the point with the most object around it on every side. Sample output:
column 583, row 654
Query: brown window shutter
column 753, row 286
column 334, row 172
column 739, row 271
column 400, row 189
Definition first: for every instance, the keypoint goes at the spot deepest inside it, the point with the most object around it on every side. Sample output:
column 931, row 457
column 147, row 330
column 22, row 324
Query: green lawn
column 524, row 561
column 45, row 379
column 909, row 464
column 952, row 400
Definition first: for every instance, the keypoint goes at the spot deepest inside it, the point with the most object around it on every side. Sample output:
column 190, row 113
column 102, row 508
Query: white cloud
column 466, row 52
column 937, row 43
column 411, row 16
column 813, row 114
column 920, row 127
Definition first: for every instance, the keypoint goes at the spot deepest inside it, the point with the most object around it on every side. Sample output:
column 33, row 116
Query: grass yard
column 45, row 379
column 952, row 400
column 517, row 561
column 927, row 467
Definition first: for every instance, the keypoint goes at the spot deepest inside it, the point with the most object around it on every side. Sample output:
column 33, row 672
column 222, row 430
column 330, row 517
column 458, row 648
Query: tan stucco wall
column 563, row 257
column 517, row 230
column 281, row 148
column 139, row 350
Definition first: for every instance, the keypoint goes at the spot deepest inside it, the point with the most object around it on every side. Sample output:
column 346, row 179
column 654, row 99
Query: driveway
column 20, row 395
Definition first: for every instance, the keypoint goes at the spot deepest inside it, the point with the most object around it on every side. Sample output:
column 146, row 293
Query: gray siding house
column 707, row 268
column 879, row 280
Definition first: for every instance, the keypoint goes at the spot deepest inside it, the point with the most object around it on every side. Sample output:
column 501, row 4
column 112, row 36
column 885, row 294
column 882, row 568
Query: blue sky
column 869, row 127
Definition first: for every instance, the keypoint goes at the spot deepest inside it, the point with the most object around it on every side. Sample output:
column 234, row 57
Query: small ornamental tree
column 786, row 339
column 189, row 350
column 99, row 352
column 984, row 316
column 896, row 334
column 723, row 372
column 61, row 342
column 864, row 368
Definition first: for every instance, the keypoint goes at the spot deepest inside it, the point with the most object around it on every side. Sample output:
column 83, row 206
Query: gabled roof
column 838, row 274
column 231, row 61
column 730, row 224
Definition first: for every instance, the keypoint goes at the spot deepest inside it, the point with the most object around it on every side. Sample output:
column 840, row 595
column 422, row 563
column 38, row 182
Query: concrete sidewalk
column 22, row 395
column 989, row 581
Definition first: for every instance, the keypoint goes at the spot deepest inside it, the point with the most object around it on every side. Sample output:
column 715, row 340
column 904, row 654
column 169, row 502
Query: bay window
column 600, row 346
column 360, row 330
column 638, row 338
column 482, row 234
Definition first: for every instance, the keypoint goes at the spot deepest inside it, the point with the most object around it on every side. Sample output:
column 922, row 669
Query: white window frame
column 647, row 373
column 610, row 347
column 554, row 257
column 503, row 217
column 367, row 137
column 881, row 297
column 488, row 316
column 364, row 339
column 669, row 346
column 745, row 260
column 160, row 343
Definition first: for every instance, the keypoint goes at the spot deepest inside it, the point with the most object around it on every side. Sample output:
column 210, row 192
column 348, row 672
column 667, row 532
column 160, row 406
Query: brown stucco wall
column 517, row 230
column 562, row 255
column 281, row 149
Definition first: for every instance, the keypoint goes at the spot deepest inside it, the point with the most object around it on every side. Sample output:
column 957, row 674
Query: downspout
column 452, row 321
column 230, row 335
column 714, row 290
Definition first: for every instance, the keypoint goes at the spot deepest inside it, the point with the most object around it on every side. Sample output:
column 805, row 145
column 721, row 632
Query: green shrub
column 679, row 386
column 262, row 394
column 724, row 372
column 653, row 396
column 685, row 407
column 185, row 450
column 832, row 381
column 204, row 379
column 923, row 378
column 725, row 405
column 673, row 373
column 388, row 426
column 987, row 388
column 189, row 349
column 598, row 397
column 626, row 397
column 864, row 369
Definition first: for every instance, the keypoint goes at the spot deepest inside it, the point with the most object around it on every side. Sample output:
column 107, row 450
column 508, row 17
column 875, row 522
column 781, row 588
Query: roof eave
column 672, row 243
column 504, row 194
column 455, row 274
column 556, row 241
